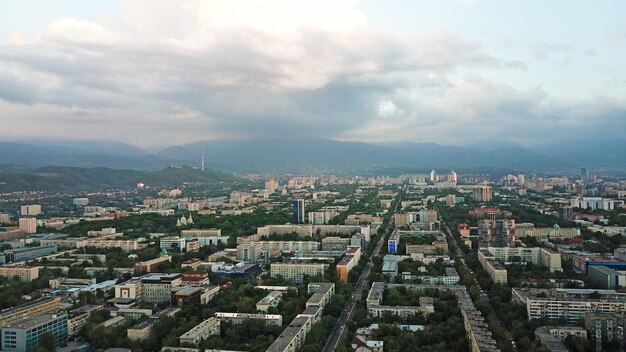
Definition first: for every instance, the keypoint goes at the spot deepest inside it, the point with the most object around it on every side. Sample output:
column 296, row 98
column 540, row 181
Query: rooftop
column 285, row 338
column 35, row 320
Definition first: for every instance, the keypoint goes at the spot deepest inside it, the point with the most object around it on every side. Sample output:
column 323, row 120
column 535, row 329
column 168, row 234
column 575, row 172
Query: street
column 340, row 328
column 493, row 317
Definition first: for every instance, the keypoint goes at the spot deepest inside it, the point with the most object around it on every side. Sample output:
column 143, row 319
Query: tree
column 48, row 342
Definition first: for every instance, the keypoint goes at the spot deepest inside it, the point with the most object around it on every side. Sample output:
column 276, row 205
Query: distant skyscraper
column 584, row 174
column 433, row 176
column 298, row 211
column 271, row 185
column 482, row 194
column 453, row 176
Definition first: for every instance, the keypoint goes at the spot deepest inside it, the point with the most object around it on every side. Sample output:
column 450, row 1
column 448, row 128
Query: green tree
column 48, row 342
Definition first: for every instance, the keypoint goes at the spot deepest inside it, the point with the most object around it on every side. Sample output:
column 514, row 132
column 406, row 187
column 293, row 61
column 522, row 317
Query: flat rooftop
column 35, row 320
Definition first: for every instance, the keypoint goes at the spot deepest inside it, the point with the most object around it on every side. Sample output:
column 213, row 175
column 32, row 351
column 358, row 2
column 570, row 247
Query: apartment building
column 569, row 304
column 547, row 233
column 24, row 273
column 479, row 336
column 30, row 210
column 607, row 327
column 490, row 258
column 450, row 278
column 552, row 337
column 46, row 305
column 200, row 332
column 296, row 271
column 323, row 292
column 125, row 245
column 375, row 308
column 24, row 335
column 239, row 318
column 497, row 272
column 347, row 263
column 334, row 243
column 28, row 225
column 157, row 288
column 322, row 217
column 250, row 251
column 152, row 265
column 294, row 335
column 79, row 317
column 483, row 194
column 271, row 300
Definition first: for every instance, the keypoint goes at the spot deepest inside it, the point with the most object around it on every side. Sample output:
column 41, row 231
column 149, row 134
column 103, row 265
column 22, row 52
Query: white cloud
column 176, row 71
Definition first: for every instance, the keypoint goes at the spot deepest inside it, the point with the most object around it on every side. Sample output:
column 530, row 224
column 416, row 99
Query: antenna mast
column 202, row 159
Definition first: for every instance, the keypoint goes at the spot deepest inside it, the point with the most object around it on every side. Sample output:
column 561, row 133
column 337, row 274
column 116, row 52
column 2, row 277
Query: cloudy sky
column 156, row 73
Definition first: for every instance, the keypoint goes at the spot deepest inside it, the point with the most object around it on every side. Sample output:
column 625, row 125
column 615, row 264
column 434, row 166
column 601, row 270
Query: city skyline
column 454, row 72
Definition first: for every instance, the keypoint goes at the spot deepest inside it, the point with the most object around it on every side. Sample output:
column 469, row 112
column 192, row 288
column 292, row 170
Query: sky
column 157, row 73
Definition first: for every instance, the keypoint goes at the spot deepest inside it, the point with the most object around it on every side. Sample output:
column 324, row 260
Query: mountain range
column 72, row 179
column 295, row 155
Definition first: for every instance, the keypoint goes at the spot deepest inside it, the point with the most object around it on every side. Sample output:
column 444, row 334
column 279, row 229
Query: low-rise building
column 478, row 334
column 239, row 318
column 375, row 308
column 140, row 331
column 200, row 332
column 45, row 305
column 152, row 265
column 347, row 263
column 271, row 300
column 296, row 271
column 125, row 245
column 23, row 335
column 552, row 337
column 23, row 273
column 334, row 243
column 79, row 317
column 569, row 304
column 607, row 277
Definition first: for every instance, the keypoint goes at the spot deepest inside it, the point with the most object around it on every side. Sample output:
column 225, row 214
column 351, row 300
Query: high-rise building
column 271, row 185
column 584, row 174
column 483, row 194
column 504, row 235
column 298, row 211
column 496, row 233
column 33, row 210
column 432, row 176
column 486, row 229
column 5, row 218
column 28, row 225
column 453, row 176
column 521, row 180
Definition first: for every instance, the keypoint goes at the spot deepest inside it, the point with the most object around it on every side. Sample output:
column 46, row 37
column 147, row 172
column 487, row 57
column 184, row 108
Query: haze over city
column 312, row 176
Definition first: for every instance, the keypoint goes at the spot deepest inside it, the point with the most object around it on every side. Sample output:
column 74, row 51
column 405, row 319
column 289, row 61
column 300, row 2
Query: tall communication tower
column 202, row 159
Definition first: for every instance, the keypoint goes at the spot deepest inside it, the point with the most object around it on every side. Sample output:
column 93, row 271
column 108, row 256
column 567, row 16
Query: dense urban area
column 437, row 261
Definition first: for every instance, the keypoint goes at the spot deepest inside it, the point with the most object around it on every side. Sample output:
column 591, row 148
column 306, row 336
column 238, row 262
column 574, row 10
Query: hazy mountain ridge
column 596, row 152
column 71, row 179
column 297, row 155
column 38, row 155
column 293, row 155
